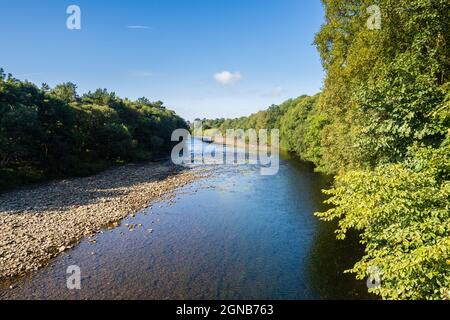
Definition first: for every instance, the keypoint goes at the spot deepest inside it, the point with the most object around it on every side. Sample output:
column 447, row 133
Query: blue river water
column 233, row 235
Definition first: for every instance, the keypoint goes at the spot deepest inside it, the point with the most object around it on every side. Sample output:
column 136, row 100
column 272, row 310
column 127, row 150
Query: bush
column 403, row 214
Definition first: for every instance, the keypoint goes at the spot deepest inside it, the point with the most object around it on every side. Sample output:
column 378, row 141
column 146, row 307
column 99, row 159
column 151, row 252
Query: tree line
column 381, row 126
column 47, row 133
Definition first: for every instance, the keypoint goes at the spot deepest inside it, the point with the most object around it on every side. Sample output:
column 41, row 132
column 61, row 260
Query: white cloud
column 227, row 77
column 139, row 27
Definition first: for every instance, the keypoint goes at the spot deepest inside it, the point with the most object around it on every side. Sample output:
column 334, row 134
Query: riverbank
column 38, row 223
column 234, row 234
column 240, row 143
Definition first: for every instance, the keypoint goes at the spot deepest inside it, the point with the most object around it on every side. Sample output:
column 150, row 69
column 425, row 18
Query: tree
column 47, row 133
column 66, row 92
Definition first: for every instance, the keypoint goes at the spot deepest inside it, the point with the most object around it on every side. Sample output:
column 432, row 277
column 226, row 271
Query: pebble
column 36, row 220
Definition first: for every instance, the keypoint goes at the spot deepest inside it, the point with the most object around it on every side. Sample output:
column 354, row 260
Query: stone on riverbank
column 38, row 223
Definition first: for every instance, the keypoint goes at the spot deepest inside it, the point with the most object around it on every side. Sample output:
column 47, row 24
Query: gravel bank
column 38, row 223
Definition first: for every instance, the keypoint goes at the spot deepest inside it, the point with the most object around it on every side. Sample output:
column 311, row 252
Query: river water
column 233, row 235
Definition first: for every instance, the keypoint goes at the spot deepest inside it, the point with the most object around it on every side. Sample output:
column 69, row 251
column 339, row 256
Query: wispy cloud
column 25, row 75
column 139, row 27
column 227, row 77
column 274, row 93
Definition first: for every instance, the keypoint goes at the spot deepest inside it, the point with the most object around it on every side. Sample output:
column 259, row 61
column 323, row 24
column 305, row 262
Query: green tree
column 66, row 92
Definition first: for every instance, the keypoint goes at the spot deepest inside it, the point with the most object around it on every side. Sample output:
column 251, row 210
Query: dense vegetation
column 47, row 133
column 382, row 126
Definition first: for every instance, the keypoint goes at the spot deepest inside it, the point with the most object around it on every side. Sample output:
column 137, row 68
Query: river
column 233, row 235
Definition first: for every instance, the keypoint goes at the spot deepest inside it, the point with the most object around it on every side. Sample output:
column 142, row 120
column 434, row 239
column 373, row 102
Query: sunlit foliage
column 47, row 133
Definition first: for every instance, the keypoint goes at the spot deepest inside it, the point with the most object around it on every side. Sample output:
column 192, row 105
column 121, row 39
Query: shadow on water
column 327, row 262
column 328, row 257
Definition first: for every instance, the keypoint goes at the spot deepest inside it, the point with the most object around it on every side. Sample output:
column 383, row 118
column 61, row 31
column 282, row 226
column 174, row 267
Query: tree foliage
column 46, row 133
column 386, row 99
column 382, row 126
column 403, row 214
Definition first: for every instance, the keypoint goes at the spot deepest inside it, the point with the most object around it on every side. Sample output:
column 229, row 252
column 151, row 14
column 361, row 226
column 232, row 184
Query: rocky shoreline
column 38, row 223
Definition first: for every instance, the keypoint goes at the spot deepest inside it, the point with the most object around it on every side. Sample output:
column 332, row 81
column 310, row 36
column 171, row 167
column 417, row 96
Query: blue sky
column 203, row 58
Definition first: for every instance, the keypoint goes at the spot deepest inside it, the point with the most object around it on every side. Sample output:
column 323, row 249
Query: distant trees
column 296, row 119
column 46, row 133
